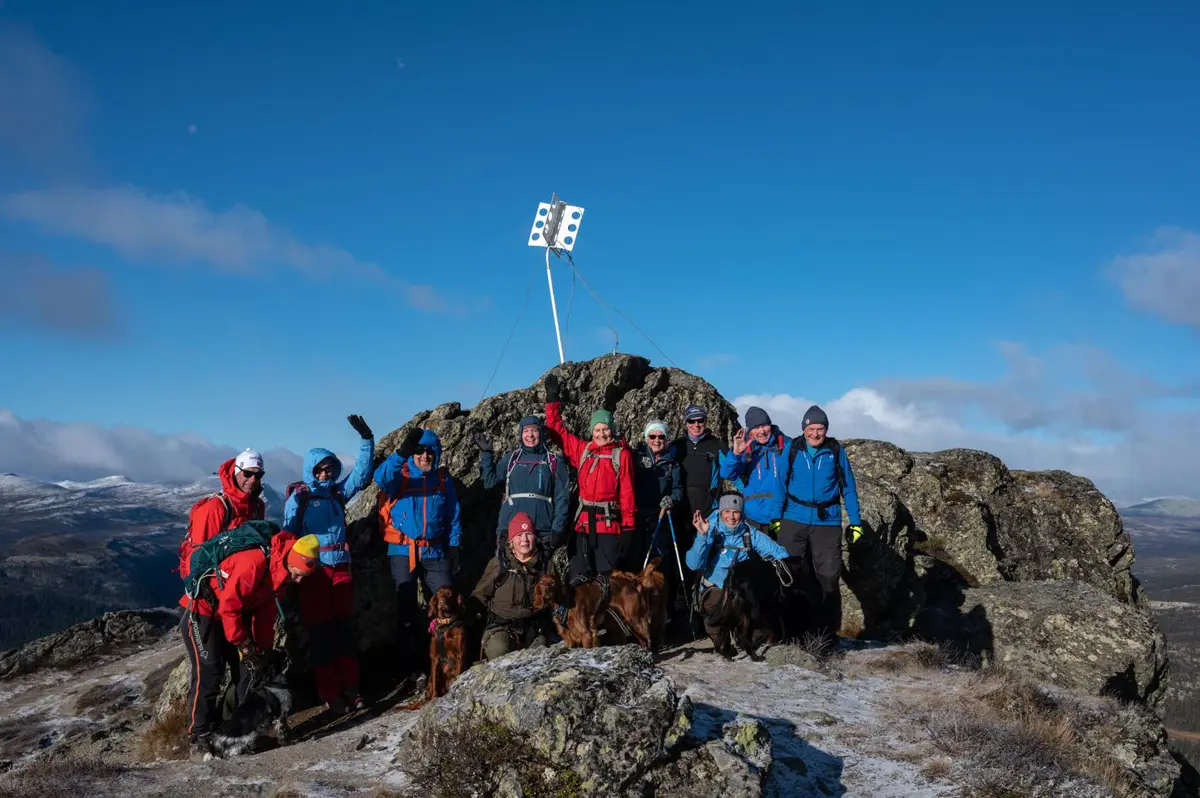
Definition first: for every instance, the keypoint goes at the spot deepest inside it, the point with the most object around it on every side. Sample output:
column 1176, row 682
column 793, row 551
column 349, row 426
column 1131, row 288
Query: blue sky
column 257, row 218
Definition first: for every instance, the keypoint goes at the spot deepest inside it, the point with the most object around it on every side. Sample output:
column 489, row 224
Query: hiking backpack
column 303, row 495
column 206, row 559
column 226, row 517
column 834, row 447
column 615, row 457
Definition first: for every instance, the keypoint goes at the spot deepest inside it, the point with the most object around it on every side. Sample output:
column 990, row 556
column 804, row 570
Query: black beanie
column 815, row 415
column 757, row 417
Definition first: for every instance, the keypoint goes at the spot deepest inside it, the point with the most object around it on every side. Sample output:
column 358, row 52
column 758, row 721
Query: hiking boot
column 337, row 707
column 200, row 748
column 357, row 704
column 420, row 682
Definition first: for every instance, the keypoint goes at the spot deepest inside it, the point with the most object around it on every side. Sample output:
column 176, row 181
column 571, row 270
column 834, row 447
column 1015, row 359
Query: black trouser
column 209, row 653
column 815, row 559
column 595, row 553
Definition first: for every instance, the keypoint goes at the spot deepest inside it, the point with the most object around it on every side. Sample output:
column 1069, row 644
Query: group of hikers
column 764, row 492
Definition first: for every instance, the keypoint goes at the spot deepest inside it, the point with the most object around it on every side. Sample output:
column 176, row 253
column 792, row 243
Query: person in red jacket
column 606, row 501
column 239, row 501
column 242, row 627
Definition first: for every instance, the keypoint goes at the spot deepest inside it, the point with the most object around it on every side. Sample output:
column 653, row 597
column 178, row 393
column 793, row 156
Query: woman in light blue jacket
column 722, row 541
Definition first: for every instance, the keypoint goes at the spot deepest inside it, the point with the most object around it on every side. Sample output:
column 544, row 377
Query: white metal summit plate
column 568, row 228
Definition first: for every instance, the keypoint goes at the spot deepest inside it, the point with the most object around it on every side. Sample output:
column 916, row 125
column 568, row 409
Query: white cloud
column 53, row 451
column 178, row 228
column 1166, row 280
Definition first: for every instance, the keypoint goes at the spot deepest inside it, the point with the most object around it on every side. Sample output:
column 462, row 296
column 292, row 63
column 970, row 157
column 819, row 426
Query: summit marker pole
column 555, row 227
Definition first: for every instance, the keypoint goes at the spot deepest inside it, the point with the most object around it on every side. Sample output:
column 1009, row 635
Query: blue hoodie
column 324, row 515
column 732, row 549
column 761, row 470
column 426, row 505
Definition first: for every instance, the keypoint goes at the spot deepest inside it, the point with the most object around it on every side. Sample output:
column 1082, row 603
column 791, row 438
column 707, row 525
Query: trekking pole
column 679, row 563
column 654, row 537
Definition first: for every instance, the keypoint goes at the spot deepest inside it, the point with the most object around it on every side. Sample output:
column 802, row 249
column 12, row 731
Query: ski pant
column 815, row 558
column 413, row 632
column 601, row 557
column 326, row 599
column 209, row 654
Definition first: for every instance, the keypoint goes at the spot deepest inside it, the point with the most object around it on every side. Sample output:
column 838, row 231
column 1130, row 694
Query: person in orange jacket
column 242, row 626
column 607, row 510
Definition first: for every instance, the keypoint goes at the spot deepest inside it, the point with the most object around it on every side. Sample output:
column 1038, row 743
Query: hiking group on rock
column 766, row 495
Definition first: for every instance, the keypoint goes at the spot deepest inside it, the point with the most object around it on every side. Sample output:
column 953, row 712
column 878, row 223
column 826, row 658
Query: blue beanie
column 694, row 412
column 757, row 417
column 529, row 421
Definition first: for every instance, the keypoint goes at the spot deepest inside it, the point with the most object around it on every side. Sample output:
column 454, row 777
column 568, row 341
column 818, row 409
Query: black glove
column 411, row 443
column 452, row 558
column 251, row 657
column 553, row 389
column 667, row 503
column 361, row 427
column 482, row 441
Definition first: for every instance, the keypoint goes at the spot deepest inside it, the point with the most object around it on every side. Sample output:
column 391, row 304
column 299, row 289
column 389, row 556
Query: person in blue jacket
column 536, row 483
column 723, row 540
column 819, row 481
column 419, row 515
column 316, row 506
column 756, row 463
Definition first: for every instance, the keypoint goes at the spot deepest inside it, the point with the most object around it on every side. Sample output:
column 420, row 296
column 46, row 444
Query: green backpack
column 206, row 558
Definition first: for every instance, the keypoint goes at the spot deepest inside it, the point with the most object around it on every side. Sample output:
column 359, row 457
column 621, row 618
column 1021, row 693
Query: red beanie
column 521, row 522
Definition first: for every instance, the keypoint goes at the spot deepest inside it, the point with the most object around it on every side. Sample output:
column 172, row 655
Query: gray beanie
column 815, row 415
column 731, row 501
column 757, row 417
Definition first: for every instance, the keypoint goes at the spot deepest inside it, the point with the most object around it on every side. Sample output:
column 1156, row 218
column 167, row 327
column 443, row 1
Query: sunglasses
column 323, row 469
column 695, row 421
column 253, row 474
column 657, row 437
column 425, row 450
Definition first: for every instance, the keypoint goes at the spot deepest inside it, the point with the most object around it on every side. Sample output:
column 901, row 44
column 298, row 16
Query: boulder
column 1070, row 634
column 113, row 632
column 734, row 766
column 601, row 714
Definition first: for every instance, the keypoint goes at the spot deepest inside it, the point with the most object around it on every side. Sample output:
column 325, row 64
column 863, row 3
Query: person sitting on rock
column 241, row 628
column 238, row 501
column 723, row 540
column 419, row 515
column 606, row 500
column 317, row 506
column 818, row 480
column 505, row 592
column 657, row 489
column 536, row 483
column 756, row 462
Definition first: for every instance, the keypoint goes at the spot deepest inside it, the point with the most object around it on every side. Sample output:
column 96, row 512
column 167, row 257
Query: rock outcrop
column 1060, row 632
column 592, row 722
column 111, row 633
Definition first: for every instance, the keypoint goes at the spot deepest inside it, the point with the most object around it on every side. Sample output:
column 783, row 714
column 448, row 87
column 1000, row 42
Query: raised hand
column 482, row 441
column 411, row 443
column 699, row 522
column 553, row 389
column 739, row 442
column 360, row 426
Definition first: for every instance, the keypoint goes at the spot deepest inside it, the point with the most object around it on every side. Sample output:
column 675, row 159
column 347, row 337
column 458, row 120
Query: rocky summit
column 995, row 643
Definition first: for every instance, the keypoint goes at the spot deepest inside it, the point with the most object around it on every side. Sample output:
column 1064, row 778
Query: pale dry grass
column 59, row 776
column 165, row 738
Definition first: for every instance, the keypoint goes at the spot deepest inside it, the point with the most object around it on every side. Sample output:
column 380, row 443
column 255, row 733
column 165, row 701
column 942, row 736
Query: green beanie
column 602, row 416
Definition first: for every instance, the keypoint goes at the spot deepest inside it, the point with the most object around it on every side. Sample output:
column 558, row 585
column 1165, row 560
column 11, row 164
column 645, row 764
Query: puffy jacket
column 598, row 481
column 700, row 470
column 324, row 515
column 712, row 555
column 426, row 505
column 205, row 521
column 530, row 471
column 813, row 479
column 761, row 470
column 512, row 599
column 246, row 593
column 655, row 476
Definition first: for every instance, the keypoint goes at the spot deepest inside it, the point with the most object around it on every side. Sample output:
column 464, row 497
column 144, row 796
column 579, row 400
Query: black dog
column 267, row 704
column 752, row 607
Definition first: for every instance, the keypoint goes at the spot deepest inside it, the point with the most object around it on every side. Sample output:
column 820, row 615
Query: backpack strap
column 836, row 448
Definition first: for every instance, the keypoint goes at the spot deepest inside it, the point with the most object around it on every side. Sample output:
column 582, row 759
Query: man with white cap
column 723, row 540
column 238, row 501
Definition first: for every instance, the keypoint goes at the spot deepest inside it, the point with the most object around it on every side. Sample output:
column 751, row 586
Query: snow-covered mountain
column 71, row 550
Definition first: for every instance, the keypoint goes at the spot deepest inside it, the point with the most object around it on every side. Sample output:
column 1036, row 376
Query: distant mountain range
column 72, row 550
column 1166, row 507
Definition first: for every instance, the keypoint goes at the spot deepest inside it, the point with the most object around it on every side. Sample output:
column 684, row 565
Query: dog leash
column 783, row 573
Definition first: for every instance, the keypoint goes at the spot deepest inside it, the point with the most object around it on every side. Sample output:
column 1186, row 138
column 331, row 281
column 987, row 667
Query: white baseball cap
column 249, row 459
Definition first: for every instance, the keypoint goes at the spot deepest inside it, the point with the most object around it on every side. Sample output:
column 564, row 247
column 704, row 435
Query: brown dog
column 447, row 641
column 638, row 599
column 583, row 623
